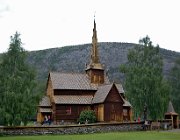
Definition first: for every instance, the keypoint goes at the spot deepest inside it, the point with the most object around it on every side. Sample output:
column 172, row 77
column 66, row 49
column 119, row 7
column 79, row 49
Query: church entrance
column 113, row 112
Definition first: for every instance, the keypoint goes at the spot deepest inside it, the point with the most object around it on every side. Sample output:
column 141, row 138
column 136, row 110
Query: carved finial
column 94, row 15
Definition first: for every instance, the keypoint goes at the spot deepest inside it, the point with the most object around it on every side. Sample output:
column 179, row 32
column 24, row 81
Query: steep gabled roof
column 73, row 99
column 170, row 110
column 101, row 93
column 72, row 81
column 126, row 103
column 170, row 107
column 119, row 88
column 45, row 102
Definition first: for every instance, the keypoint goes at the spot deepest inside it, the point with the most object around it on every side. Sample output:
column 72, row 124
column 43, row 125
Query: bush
column 87, row 116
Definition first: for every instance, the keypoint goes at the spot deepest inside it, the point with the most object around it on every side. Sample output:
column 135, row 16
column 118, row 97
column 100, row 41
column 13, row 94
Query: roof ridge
column 106, row 84
column 71, row 95
column 56, row 72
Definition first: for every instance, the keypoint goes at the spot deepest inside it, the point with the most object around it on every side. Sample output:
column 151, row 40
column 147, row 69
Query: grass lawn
column 103, row 136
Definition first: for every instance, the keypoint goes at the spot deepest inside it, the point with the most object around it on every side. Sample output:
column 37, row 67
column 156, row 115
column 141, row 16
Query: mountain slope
column 74, row 58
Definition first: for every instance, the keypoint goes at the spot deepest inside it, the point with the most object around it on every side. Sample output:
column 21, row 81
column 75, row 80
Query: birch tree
column 144, row 81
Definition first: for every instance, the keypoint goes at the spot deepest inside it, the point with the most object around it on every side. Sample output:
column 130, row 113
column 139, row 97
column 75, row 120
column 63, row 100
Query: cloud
column 4, row 7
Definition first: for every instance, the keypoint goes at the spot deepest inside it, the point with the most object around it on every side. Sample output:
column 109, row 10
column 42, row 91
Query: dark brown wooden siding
column 74, row 92
column 113, row 106
column 113, row 112
column 96, row 76
column 69, row 112
column 60, row 111
column 114, row 96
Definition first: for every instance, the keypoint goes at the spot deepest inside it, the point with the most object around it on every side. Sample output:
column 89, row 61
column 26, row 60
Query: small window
column 68, row 110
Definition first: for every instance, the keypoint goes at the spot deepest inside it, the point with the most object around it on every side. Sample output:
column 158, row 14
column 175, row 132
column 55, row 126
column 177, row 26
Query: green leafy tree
column 144, row 81
column 87, row 115
column 175, row 85
column 17, row 83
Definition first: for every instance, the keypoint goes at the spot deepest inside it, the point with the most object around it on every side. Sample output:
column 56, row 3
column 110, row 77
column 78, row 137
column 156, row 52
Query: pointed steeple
column 170, row 108
column 94, row 51
column 94, row 69
column 94, row 61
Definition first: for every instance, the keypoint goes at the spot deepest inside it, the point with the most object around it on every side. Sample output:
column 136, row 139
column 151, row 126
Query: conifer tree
column 144, row 81
column 17, row 83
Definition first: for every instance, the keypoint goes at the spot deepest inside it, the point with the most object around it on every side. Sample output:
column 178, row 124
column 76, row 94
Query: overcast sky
column 55, row 23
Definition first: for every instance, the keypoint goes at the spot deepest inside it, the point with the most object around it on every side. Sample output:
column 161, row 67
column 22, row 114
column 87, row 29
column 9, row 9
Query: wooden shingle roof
column 45, row 102
column 120, row 88
column 101, row 93
column 71, row 81
column 170, row 110
column 75, row 81
column 170, row 107
column 126, row 103
column 73, row 99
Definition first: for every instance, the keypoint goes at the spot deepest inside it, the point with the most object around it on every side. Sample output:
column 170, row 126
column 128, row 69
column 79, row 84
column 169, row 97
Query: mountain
column 74, row 58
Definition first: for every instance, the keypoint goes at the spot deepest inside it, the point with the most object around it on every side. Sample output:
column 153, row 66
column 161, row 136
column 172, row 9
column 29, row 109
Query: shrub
column 87, row 116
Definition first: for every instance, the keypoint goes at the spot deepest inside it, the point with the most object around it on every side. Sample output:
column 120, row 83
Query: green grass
column 103, row 136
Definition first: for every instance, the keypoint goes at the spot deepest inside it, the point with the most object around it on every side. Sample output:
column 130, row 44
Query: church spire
column 94, row 51
column 95, row 70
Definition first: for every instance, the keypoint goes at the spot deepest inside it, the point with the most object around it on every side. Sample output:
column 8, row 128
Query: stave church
column 67, row 94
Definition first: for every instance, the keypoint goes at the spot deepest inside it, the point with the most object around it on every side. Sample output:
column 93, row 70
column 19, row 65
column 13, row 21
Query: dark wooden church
column 67, row 94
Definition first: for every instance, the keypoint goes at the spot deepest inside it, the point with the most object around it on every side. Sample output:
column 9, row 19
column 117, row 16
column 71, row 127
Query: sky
column 47, row 24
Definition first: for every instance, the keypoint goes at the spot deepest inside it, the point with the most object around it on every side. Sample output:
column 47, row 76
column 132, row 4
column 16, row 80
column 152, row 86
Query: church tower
column 95, row 69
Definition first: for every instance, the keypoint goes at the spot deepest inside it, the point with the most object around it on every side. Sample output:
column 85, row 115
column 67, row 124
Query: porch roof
column 45, row 101
column 45, row 110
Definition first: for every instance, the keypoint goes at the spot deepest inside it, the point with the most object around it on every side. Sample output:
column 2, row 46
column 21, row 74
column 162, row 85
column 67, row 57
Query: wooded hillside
column 74, row 58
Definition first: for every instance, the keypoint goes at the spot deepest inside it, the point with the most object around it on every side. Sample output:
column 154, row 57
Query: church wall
column 113, row 106
column 54, row 111
column 39, row 116
column 114, row 96
column 69, row 112
column 74, row 92
column 99, row 110
column 113, row 112
column 49, row 90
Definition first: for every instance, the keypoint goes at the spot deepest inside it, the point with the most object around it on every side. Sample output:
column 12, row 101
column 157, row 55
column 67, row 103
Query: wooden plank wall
column 113, row 107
